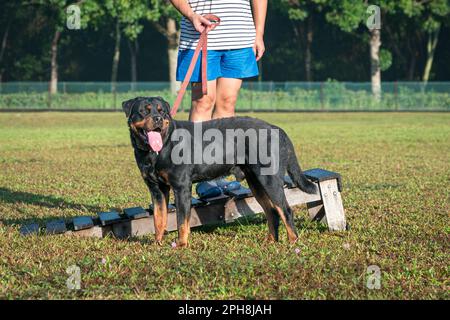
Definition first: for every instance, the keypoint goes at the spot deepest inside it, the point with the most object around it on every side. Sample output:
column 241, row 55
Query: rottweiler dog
column 167, row 154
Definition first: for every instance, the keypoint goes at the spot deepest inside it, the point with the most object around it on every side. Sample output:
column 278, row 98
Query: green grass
column 396, row 175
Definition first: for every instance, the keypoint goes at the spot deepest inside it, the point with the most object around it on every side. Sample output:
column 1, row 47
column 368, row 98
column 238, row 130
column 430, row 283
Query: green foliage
column 385, row 59
column 347, row 14
column 162, row 9
column 410, row 22
column 428, row 14
column 56, row 11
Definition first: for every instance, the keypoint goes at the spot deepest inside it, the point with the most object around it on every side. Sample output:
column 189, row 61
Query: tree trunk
column 375, row 43
column 53, row 88
column 172, row 51
column 134, row 50
column 308, row 55
column 433, row 38
column 3, row 48
column 116, row 58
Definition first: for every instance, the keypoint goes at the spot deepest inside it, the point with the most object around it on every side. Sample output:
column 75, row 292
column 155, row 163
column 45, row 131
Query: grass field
column 396, row 177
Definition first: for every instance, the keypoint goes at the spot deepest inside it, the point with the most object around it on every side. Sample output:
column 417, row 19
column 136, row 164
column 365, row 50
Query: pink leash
column 201, row 46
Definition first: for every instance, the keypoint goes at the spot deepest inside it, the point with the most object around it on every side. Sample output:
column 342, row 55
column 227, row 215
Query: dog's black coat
column 160, row 173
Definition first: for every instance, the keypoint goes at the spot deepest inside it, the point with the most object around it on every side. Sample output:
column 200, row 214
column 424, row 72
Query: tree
column 417, row 25
column 6, row 19
column 55, row 12
column 349, row 15
column 301, row 13
column 126, row 17
column 432, row 14
column 164, row 17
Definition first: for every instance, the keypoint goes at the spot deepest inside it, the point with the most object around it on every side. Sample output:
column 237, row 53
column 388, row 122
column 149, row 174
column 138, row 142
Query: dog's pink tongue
column 155, row 140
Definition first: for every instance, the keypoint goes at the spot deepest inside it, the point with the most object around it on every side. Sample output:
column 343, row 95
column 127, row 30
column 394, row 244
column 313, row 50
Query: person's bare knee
column 202, row 109
column 202, row 105
column 226, row 105
column 227, row 94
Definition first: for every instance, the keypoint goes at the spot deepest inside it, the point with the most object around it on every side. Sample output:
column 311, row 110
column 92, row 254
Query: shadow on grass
column 10, row 196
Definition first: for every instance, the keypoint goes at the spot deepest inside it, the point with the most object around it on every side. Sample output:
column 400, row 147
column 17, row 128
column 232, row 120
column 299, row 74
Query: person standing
column 234, row 47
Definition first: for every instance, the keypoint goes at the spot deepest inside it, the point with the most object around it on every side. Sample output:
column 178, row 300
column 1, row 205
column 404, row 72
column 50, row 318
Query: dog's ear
column 127, row 106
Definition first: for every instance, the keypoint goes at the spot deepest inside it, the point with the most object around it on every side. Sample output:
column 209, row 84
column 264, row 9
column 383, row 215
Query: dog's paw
column 181, row 244
column 293, row 240
column 269, row 239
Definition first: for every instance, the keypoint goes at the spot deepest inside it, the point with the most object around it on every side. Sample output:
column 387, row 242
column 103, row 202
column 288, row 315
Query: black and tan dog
column 149, row 116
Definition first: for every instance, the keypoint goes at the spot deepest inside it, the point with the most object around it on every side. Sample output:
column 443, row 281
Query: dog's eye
column 159, row 108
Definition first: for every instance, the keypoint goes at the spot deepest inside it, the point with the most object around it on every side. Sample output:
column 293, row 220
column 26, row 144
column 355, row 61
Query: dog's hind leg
column 285, row 212
column 273, row 188
column 273, row 219
column 287, row 217
column 183, row 205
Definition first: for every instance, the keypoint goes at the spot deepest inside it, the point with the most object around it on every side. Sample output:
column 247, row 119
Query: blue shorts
column 232, row 63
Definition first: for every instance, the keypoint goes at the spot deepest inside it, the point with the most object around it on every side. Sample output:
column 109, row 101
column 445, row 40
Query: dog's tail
column 297, row 175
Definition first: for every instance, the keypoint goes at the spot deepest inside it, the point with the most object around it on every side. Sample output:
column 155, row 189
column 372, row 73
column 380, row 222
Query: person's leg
column 223, row 92
column 202, row 105
column 227, row 91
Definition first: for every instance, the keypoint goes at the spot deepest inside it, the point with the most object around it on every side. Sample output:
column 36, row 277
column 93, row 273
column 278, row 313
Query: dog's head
column 149, row 120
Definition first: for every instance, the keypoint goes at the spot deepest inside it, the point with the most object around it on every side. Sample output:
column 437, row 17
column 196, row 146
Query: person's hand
column 200, row 23
column 258, row 47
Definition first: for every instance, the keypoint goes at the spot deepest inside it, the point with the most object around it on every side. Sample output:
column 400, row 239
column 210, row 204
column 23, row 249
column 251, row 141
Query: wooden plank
column 316, row 211
column 211, row 214
column 95, row 232
column 325, row 206
column 248, row 206
column 332, row 205
column 133, row 228
column 229, row 209
column 201, row 215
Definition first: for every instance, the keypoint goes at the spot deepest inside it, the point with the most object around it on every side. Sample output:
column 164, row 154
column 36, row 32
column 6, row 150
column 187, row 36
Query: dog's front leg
column 183, row 205
column 159, row 211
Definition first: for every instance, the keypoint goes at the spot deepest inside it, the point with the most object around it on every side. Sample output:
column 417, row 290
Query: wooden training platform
column 326, row 206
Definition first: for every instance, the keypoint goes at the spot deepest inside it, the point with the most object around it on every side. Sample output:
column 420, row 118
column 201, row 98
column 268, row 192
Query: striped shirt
column 236, row 29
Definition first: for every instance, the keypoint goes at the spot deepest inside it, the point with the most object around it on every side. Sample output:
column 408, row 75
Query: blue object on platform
column 208, row 189
column 240, row 193
column 226, row 185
